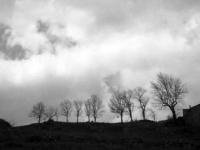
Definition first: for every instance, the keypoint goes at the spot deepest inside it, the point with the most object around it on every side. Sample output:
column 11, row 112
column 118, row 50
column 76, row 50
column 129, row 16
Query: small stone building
column 192, row 116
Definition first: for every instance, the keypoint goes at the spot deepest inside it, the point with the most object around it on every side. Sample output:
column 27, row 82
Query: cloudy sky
column 56, row 49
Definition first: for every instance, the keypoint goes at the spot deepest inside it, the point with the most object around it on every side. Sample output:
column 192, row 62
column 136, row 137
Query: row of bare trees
column 123, row 102
column 93, row 108
column 167, row 91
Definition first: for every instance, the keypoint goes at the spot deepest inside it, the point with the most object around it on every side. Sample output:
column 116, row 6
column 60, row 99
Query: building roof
column 196, row 106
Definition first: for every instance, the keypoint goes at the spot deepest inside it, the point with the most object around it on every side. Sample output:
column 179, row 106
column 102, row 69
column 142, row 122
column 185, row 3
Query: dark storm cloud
column 45, row 28
column 42, row 27
column 15, row 52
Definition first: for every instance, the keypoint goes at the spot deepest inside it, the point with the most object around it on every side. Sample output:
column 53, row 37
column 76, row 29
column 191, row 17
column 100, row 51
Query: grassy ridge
column 137, row 135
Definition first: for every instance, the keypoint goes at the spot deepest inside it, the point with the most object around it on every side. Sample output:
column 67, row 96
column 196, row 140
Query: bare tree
column 168, row 91
column 139, row 94
column 128, row 103
column 78, row 105
column 96, row 106
column 88, row 109
column 38, row 111
column 117, row 103
column 66, row 109
column 50, row 113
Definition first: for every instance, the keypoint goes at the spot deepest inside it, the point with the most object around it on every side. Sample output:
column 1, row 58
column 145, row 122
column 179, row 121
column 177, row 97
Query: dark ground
column 142, row 135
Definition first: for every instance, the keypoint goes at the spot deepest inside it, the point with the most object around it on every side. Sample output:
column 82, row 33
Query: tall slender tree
column 139, row 94
column 66, row 109
column 129, row 103
column 78, row 105
column 97, row 107
column 88, row 109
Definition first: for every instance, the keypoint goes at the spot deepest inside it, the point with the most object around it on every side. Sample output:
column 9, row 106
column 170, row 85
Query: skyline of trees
column 167, row 90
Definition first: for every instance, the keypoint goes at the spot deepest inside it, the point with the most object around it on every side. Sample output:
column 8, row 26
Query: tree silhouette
column 168, row 91
column 96, row 107
column 88, row 109
column 66, row 109
column 139, row 94
column 78, row 105
column 38, row 111
column 128, row 103
column 117, row 103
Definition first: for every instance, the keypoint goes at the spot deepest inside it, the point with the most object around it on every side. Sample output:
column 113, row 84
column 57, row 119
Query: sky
column 51, row 50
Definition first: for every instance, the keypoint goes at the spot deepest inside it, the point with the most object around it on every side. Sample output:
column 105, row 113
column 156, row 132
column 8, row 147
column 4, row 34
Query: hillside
column 140, row 135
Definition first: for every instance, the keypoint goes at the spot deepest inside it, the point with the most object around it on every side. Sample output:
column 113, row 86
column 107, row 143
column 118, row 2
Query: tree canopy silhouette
column 88, row 108
column 78, row 105
column 66, row 109
column 96, row 107
column 168, row 91
column 117, row 103
column 139, row 95
column 38, row 111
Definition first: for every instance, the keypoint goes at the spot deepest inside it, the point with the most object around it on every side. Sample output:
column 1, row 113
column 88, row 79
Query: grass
column 140, row 135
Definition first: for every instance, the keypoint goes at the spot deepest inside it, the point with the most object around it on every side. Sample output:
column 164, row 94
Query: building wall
column 192, row 116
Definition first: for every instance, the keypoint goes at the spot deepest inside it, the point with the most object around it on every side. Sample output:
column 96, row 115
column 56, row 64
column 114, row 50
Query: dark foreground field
column 143, row 135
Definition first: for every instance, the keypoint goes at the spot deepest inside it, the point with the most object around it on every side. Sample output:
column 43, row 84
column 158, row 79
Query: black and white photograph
column 99, row 74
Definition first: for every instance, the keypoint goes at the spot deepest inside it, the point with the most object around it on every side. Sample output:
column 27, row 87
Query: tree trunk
column 143, row 114
column 131, row 117
column 121, row 114
column 88, row 118
column 95, row 119
column 77, row 118
column 173, row 113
